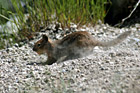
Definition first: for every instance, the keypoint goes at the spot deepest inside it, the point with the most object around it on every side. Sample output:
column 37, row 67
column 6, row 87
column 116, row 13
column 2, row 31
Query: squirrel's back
column 80, row 38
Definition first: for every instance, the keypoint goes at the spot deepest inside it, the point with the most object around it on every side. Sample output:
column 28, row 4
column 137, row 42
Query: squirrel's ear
column 45, row 37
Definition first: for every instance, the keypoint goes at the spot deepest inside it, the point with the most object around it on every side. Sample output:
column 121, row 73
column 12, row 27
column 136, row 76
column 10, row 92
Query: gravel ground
column 107, row 70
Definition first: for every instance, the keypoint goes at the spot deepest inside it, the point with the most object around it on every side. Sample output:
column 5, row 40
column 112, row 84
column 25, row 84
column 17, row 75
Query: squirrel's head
column 43, row 45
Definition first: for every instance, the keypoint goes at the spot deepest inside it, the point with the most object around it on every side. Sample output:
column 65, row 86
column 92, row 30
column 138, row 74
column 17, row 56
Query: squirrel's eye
column 39, row 45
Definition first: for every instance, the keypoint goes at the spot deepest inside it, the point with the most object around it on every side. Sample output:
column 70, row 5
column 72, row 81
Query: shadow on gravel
column 36, row 63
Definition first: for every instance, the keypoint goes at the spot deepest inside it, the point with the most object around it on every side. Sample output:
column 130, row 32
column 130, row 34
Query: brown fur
column 72, row 46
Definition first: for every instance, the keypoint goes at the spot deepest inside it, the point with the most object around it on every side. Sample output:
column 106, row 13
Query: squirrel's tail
column 113, row 42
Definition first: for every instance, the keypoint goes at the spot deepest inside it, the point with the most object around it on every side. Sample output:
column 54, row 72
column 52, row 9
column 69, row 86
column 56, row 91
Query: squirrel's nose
column 34, row 49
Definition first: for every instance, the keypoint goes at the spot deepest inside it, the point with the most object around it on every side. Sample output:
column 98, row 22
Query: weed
column 44, row 12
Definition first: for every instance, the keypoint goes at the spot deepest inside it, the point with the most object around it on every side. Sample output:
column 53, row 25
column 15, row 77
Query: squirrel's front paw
column 50, row 61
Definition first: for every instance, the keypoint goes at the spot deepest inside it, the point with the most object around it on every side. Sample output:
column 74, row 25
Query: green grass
column 44, row 12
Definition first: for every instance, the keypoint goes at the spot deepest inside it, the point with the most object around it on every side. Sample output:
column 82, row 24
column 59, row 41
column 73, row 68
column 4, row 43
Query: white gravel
column 107, row 70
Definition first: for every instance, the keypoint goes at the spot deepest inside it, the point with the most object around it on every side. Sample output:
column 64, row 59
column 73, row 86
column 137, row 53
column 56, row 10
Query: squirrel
column 75, row 45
